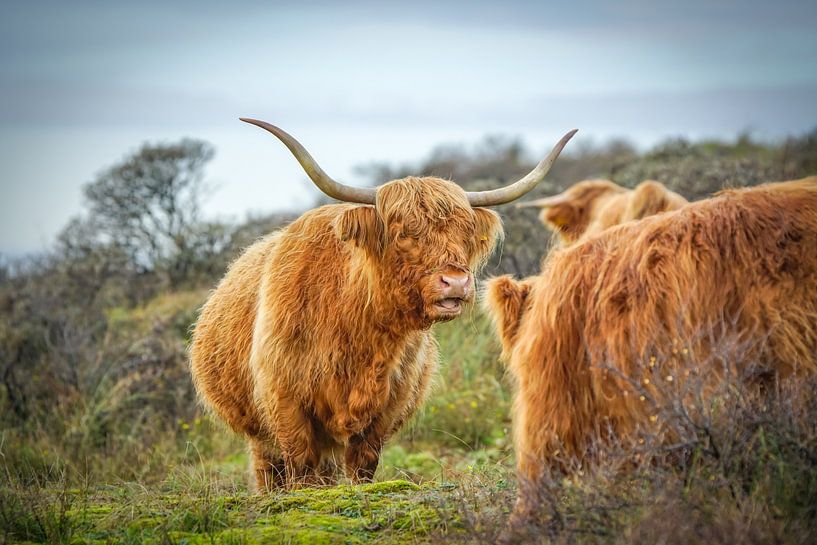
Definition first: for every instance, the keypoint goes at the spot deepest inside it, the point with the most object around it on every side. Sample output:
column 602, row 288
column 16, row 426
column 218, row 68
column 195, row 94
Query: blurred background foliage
column 93, row 335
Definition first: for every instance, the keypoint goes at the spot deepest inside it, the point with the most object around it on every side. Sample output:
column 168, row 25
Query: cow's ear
column 360, row 226
column 488, row 233
column 562, row 215
column 504, row 301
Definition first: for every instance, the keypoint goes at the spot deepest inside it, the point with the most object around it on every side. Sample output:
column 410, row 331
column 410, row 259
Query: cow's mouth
column 449, row 306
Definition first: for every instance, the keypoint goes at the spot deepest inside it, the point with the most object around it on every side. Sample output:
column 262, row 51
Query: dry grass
column 744, row 472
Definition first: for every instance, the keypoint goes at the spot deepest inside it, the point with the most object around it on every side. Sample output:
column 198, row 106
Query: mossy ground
column 395, row 511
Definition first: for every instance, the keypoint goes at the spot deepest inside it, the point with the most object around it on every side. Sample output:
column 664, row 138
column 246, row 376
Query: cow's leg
column 363, row 452
column 300, row 445
column 327, row 472
column 267, row 465
column 403, row 398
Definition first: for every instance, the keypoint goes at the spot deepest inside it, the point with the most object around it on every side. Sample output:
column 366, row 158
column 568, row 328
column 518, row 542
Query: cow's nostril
column 455, row 285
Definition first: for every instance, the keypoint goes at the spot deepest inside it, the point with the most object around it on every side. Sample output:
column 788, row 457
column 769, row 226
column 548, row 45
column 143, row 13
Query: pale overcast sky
column 83, row 83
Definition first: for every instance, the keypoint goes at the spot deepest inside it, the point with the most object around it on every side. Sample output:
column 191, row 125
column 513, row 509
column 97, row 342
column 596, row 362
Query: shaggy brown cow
column 316, row 343
column 591, row 206
column 716, row 286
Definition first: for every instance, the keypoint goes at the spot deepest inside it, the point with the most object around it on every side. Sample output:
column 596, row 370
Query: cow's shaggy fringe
column 706, row 291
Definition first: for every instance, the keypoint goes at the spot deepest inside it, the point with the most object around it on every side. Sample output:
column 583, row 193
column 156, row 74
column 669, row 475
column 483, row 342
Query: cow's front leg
column 363, row 452
column 300, row 446
column 267, row 465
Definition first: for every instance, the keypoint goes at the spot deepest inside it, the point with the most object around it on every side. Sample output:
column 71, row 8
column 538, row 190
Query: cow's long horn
column 545, row 202
column 326, row 184
column 512, row 192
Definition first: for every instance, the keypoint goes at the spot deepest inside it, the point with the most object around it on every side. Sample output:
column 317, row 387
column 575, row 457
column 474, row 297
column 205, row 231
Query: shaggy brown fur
column 718, row 286
column 316, row 343
column 591, row 206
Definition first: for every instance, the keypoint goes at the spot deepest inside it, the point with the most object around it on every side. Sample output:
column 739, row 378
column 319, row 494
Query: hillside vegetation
column 102, row 439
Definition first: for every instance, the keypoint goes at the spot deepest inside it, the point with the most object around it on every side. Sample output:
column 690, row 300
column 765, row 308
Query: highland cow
column 722, row 288
column 316, row 344
column 591, row 206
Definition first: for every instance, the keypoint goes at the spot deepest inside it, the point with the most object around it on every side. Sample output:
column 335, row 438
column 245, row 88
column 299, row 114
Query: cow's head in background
column 591, row 206
column 571, row 212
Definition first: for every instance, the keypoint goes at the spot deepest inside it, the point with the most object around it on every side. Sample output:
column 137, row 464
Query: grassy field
column 122, row 476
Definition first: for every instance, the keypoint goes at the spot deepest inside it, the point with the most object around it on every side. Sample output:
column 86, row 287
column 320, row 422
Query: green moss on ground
column 384, row 512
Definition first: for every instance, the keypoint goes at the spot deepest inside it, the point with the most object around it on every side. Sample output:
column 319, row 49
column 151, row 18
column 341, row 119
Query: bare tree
column 148, row 205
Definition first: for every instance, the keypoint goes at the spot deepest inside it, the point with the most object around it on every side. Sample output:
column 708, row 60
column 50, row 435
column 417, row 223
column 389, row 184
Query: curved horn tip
column 326, row 184
column 504, row 195
column 566, row 138
column 251, row 121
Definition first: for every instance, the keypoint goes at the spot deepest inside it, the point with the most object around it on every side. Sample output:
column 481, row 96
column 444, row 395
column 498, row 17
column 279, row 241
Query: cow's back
column 746, row 260
column 222, row 339
column 650, row 198
column 731, row 280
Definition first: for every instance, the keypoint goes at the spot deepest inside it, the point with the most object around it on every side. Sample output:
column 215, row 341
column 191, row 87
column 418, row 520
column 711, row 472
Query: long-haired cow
column 591, row 206
column 727, row 283
column 316, row 343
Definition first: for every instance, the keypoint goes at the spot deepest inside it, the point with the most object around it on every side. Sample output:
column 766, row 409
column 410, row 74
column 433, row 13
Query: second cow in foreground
column 316, row 344
column 722, row 287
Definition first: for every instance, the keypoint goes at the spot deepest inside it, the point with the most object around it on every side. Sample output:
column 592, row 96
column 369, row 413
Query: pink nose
column 455, row 284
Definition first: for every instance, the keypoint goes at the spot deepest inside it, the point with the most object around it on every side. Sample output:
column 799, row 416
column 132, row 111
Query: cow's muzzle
column 455, row 288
